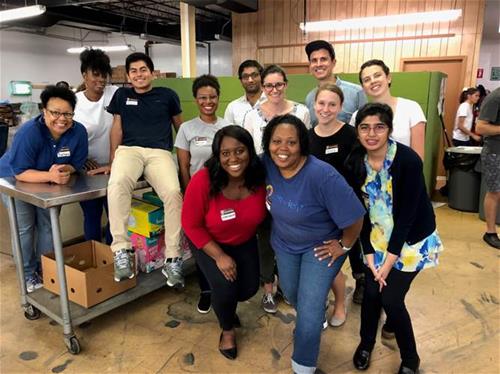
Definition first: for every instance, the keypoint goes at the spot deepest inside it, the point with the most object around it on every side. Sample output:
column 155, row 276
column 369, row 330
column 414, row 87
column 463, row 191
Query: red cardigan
column 218, row 218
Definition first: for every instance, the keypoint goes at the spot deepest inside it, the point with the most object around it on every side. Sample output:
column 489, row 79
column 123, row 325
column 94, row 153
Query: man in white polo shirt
column 249, row 76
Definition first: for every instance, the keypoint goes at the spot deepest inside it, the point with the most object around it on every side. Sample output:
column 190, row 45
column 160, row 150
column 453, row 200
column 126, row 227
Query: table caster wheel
column 32, row 313
column 73, row 345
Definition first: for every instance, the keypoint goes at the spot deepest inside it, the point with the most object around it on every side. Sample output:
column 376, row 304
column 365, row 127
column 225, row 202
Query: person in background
column 331, row 140
column 194, row 146
column 321, row 56
column 46, row 149
column 316, row 218
column 249, row 75
column 399, row 236
column 223, row 205
column 409, row 119
column 462, row 132
column 141, row 143
column 275, row 83
column 63, row 84
column 488, row 125
column 91, row 111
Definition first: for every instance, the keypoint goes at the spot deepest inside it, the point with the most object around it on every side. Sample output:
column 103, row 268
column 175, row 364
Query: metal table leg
column 16, row 249
column 70, row 339
column 30, row 312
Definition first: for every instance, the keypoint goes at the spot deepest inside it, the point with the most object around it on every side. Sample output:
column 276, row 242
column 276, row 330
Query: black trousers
column 266, row 252
column 392, row 299
column 226, row 294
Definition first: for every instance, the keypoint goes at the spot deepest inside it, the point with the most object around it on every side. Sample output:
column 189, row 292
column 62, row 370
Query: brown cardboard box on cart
column 89, row 274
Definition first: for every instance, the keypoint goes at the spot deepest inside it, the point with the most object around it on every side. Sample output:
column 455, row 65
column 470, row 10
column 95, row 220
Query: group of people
column 273, row 184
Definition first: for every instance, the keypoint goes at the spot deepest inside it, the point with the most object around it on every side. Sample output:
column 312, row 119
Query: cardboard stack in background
column 89, row 273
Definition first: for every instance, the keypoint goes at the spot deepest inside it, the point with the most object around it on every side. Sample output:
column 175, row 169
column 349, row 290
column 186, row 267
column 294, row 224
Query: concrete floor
column 454, row 308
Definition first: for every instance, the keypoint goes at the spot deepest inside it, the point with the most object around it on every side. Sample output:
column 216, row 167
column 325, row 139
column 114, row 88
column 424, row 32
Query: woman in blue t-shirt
column 399, row 236
column 46, row 149
column 316, row 218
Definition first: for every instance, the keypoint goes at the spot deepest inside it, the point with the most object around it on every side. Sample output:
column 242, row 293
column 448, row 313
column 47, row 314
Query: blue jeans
column 35, row 234
column 92, row 213
column 305, row 282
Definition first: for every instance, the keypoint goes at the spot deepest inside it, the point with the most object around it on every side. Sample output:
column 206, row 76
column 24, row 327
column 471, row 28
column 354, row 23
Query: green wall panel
column 423, row 87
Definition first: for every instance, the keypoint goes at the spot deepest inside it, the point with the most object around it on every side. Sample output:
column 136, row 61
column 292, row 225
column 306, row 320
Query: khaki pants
column 160, row 171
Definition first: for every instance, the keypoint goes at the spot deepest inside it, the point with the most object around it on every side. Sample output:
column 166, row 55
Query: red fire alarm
column 480, row 72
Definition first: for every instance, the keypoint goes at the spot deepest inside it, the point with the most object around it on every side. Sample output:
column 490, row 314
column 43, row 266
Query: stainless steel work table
column 52, row 197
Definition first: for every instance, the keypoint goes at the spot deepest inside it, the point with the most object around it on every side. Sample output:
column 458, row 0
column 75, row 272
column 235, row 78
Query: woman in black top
column 331, row 141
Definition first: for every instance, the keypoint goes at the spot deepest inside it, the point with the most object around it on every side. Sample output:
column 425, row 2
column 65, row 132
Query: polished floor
column 454, row 308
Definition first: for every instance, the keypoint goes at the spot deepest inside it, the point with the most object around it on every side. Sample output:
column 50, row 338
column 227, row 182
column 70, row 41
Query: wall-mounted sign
column 20, row 88
column 480, row 73
column 495, row 73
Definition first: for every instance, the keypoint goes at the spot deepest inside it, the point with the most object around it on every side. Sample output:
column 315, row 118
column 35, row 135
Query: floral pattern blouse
column 379, row 203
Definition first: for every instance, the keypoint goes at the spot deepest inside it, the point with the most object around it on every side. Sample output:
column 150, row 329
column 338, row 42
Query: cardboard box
column 150, row 252
column 145, row 219
column 89, row 274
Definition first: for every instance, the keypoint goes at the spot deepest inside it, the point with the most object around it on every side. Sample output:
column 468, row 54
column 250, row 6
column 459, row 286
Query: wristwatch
column 344, row 248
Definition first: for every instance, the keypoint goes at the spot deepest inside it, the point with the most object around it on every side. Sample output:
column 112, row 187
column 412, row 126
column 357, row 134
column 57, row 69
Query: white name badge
column 131, row 102
column 227, row 214
column 64, row 152
column 200, row 141
column 331, row 149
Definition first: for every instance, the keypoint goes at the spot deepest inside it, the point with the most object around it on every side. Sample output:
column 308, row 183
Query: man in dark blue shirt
column 141, row 144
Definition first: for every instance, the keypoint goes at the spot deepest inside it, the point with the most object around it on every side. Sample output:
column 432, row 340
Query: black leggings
column 392, row 299
column 356, row 260
column 266, row 253
column 226, row 294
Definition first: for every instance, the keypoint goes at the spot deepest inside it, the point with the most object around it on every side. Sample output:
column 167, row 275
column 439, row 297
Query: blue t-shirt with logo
column 146, row 117
column 311, row 207
column 34, row 147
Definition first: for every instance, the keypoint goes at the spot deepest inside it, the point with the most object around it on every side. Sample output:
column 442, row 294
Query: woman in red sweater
column 223, row 205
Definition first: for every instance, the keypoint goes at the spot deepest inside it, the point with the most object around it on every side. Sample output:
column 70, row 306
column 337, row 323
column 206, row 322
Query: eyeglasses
column 269, row 86
column 378, row 129
column 254, row 75
column 56, row 114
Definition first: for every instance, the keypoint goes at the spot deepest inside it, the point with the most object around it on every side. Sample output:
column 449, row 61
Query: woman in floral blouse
column 399, row 236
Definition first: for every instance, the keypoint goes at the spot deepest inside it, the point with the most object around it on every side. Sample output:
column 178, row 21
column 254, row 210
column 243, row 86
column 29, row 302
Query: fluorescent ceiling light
column 24, row 12
column 383, row 21
column 105, row 48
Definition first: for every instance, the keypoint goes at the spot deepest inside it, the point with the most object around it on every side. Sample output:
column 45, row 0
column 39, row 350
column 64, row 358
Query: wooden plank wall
column 272, row 34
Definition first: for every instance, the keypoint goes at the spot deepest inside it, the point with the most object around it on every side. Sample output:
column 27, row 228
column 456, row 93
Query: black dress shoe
column 229, row 353
column 409, row 370
column 361, row 358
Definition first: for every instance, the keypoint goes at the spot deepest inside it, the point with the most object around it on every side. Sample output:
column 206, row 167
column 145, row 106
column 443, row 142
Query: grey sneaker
column 172, row 270
column 33, row 283
column 124, row 264
column 268, row 303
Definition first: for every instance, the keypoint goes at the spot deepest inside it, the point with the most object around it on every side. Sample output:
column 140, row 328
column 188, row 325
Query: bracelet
column 344, row 248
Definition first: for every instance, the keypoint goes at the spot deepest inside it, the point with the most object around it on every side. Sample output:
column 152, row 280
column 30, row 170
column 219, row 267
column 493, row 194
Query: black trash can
column 464, row 181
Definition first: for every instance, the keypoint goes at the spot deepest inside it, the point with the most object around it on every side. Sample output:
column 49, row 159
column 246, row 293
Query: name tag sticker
column 331, row 149
column 131, row 101
column 227, row 214
column 200, row 141
column 64, row 152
